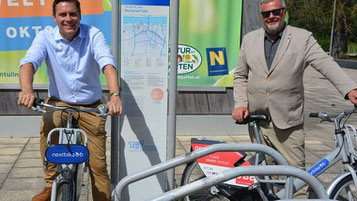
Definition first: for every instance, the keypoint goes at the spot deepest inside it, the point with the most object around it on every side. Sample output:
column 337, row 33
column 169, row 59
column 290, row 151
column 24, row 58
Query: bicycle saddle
column 254, row 117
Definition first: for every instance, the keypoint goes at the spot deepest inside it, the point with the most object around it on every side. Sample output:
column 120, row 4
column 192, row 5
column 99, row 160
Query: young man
column 75, row 55
column 269, row 79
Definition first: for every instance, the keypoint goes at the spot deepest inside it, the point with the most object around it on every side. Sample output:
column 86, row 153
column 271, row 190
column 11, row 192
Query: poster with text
column 21, row 20
column 209, row 42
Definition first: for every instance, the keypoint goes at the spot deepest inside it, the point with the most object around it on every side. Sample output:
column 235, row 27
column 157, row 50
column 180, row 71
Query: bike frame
column 71, row 172
column 77, row 169
column 344, row 152
column 340, row 153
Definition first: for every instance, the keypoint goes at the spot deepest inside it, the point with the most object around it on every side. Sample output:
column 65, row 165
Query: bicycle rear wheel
column 344, row 190
column 192, row 173
column 65, row 192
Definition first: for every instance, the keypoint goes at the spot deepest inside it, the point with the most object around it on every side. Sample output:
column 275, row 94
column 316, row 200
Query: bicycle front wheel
column 345, row 190
column 65, row 192
column 193, row 173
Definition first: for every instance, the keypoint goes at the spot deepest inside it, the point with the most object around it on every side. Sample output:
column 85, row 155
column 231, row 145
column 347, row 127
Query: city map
column 144, row 36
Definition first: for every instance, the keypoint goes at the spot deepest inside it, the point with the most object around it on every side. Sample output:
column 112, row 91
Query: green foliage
column 352, row 47
column 324, row 43
column 313, row 15
column 316, row 16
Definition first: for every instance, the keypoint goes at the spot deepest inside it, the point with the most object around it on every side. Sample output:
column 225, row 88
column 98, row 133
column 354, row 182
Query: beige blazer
column 280, row 91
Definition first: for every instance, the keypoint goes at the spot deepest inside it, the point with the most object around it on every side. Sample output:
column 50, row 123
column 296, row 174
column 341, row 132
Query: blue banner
column 18, row 33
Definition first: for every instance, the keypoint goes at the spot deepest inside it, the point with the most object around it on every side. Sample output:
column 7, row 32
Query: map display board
column 144, row 79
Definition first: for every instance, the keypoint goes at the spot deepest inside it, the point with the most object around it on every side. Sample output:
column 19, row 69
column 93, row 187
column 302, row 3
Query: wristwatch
column 115, row 93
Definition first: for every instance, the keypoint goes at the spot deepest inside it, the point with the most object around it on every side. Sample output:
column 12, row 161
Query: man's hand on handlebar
column 115, row 105
column 240, row 113
column 352, row 96
column 26, row 99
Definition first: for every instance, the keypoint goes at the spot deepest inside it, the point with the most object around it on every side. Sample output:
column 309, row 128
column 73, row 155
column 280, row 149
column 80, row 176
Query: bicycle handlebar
column 324, row 116
column 254, row 117
column 40, row 105
column 336, row 119
column 314, row 115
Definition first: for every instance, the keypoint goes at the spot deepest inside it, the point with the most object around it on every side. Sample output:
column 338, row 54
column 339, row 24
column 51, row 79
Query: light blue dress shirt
column 74, row 66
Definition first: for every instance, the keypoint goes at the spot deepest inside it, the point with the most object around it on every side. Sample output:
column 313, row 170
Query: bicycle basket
column 67, row 154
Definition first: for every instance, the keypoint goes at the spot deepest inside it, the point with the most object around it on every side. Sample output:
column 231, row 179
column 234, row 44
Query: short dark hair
column 267, row 1
column 75, row 2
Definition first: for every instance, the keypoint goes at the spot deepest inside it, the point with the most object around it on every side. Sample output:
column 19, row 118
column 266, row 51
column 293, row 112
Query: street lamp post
column 333, row 27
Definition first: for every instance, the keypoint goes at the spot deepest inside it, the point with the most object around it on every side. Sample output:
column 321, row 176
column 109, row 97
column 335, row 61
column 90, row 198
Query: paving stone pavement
column 20, row 163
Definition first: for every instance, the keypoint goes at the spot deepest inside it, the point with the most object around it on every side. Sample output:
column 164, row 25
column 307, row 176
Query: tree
column 316, row 16
column 343, row 28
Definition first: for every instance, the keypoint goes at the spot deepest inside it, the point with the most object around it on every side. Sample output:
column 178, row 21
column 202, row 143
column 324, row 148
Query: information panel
column 144, row 78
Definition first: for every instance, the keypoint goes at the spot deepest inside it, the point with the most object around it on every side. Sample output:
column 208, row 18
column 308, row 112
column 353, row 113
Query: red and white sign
column 221, row 161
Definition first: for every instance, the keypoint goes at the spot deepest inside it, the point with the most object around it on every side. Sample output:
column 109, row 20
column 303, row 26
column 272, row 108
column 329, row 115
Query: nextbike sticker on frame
column 319, row 167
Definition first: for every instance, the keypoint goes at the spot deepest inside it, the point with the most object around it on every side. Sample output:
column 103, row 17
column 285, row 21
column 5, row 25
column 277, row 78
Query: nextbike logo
column 319, row 167
column 67, row 154
column 41, row 8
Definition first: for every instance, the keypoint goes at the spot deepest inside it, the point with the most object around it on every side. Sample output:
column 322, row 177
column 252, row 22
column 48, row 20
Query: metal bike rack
column 225, row 175
column 242, row 171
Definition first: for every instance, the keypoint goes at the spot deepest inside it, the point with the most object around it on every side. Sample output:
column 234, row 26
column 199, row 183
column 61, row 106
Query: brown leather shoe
column 44, row 195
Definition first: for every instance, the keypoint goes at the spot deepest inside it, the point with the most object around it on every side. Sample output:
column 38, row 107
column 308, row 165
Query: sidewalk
column 20, row 163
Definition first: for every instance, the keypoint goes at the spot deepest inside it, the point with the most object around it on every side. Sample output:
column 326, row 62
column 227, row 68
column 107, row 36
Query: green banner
column 209, row 42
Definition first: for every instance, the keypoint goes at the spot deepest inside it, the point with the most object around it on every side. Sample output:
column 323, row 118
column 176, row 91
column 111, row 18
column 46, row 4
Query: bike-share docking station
column 147, row 127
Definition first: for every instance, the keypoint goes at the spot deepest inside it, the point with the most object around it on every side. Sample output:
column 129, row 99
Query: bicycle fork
column 66, row 176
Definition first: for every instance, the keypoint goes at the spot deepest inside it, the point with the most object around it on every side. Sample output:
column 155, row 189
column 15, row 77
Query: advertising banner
column 209, row 37
column 144, row 85
column 20, row 21
column 209, row 42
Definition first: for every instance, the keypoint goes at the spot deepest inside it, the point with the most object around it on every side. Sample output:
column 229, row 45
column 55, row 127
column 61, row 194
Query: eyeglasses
column 276, row 12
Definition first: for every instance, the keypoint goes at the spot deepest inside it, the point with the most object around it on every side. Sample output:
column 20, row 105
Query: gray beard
column 273, row 32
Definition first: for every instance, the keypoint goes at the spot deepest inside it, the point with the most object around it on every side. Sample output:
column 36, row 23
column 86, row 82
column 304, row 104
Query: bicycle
column 343, row 187
column 241, row 188
column 70, row 153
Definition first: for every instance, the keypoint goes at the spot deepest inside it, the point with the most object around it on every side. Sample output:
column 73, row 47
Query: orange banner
column 43, row 8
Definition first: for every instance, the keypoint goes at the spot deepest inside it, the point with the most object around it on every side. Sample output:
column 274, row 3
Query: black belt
column 95, row 104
